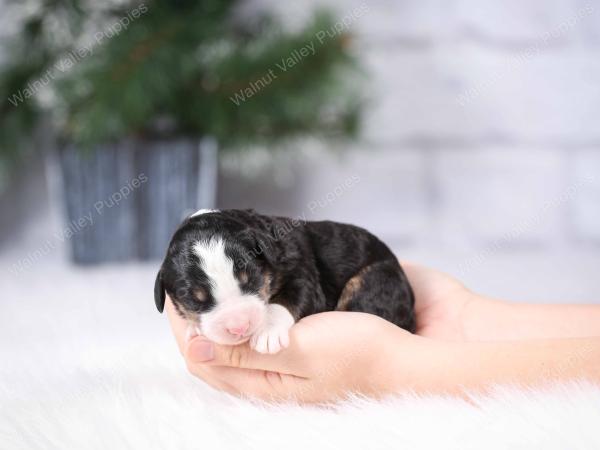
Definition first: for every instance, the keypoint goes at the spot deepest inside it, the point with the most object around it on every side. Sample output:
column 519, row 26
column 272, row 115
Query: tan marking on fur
column 191, row 317
column 185, row 314
column 265, row 290
column 200, row 295
column 351, row 287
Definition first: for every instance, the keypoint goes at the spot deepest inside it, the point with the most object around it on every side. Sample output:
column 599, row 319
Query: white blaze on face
column 236, row 315
column 219, row 269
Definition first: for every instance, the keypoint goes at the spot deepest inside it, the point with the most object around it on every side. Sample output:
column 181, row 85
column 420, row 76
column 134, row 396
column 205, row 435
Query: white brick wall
column 503, row 191
column 585, row 212
column 518, row 22
column 505, row 195
column 388, row 194
column 484, row 118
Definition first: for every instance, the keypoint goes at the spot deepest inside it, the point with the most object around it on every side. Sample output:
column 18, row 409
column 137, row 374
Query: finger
column 259, row 384
column 178, row 324
column 287, row 361
column 406, row 262
column 411, row 269
column 209, row 377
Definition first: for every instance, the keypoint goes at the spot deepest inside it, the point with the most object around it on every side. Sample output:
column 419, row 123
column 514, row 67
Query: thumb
column 202, row 351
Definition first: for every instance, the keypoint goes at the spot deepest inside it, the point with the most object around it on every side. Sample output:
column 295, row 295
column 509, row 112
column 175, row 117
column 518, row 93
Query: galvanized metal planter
column 123, row 201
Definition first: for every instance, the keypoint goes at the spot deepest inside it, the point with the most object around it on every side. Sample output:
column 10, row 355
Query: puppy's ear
column 159, row 292
column 264, row 247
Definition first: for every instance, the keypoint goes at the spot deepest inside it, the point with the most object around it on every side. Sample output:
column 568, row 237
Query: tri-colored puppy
column 236, row 275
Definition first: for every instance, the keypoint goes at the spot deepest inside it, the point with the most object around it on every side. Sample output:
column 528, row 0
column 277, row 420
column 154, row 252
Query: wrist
column 421, row 365
column 441, row 367
column 484, row 319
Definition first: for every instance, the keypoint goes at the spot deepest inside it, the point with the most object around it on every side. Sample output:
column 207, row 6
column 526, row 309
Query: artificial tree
column 157, row 82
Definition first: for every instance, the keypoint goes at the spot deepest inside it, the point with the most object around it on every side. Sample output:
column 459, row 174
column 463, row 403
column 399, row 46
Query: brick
column 521, row 22
column 384, row 190
column 511, row 23
column 467, row 70
column 537, row 96
column 503, row 197
column 590, row 27
column 411, row 94
column 585, row 217
column 466, row 92
column 382, row 20
column 407, row 22
column 268, row 181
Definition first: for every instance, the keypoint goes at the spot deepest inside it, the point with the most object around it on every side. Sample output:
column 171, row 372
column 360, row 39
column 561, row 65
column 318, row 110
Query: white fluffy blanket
column 150, row 403
column 92, row 366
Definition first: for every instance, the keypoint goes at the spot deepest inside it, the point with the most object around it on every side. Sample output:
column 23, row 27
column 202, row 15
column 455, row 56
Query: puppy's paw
column 270, row 340
column 273, row 335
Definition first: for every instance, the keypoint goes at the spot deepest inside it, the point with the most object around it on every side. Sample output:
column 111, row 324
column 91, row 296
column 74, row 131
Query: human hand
column 445, row 309
column 334, row 353
column 330, row 354
column 441, row 302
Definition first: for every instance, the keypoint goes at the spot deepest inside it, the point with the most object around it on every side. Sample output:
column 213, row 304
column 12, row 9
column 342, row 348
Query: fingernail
column 201, row 351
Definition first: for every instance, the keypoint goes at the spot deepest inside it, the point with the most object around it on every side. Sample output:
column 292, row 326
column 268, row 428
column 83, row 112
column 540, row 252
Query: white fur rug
column 87, row 363
column 143, row 399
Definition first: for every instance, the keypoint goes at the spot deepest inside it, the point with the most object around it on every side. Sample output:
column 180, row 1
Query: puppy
column 236, row 275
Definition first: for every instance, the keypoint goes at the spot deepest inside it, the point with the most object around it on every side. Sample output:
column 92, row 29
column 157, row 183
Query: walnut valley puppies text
column 298, row 55
column 77, row 225
column 74, row 56
column 283, row 228
column 120, row 195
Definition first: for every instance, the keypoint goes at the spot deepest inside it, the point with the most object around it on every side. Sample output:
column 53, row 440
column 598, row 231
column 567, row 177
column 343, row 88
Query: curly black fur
column 308, row 267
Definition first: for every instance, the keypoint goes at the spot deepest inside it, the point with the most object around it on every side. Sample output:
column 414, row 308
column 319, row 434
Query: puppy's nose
column 239, row 329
